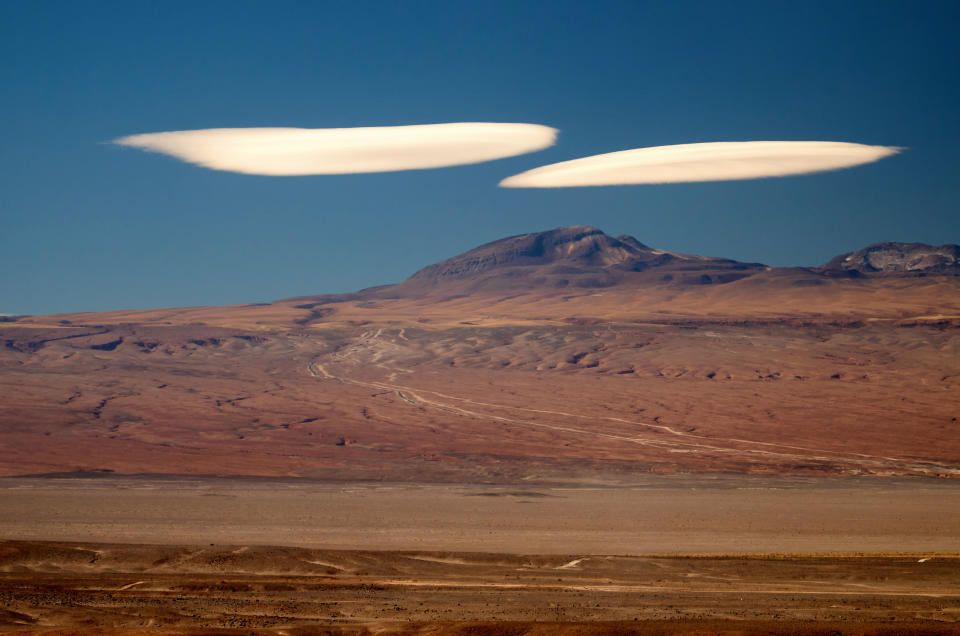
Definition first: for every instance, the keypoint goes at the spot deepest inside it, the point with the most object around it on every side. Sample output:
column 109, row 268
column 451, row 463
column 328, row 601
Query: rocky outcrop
column 898, row 258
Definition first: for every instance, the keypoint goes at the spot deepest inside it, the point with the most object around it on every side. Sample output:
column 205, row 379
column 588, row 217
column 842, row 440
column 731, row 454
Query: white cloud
column 721, row 161
column 303, row 151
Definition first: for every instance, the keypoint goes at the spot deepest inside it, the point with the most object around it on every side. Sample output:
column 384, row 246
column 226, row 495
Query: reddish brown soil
column 760, row 375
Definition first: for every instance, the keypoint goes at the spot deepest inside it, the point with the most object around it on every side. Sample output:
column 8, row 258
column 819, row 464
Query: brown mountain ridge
column 579, row 256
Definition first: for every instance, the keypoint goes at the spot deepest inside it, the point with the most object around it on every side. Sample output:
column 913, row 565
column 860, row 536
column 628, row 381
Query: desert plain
column 555, row 433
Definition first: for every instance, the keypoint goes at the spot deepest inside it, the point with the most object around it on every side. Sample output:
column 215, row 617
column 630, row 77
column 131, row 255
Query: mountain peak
column 579, row 245
column 578, row 256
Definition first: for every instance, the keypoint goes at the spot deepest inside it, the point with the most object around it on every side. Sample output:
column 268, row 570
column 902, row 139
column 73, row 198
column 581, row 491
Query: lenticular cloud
column 721, row 161
column 304, row 151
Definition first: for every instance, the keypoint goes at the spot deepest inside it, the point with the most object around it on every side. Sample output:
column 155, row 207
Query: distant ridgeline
column 585, row 257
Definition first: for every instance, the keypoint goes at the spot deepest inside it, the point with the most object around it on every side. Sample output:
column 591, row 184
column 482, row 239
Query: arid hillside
column 541, row 357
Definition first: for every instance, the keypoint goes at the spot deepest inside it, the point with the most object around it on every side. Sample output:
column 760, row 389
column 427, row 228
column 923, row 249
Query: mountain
column 900, row 258
column 548, row 357
column 584, row 257
column 579, row 256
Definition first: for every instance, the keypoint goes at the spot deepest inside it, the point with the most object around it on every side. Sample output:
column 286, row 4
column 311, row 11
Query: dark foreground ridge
column 84, row 588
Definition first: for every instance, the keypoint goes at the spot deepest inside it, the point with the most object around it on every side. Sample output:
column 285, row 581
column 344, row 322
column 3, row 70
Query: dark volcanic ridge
column 579, row 256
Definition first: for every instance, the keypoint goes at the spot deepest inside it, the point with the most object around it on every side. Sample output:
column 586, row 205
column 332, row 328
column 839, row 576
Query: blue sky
column 86, row 225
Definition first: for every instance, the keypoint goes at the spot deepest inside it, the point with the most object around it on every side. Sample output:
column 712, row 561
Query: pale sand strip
column 666, row 516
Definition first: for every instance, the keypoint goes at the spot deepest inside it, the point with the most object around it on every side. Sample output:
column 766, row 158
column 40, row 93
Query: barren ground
column 668, row 514
column 474, row 404
column 110, row 588
column 670, row 554
column 776, row 453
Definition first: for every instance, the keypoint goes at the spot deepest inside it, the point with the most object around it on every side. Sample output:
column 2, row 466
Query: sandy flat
column 656, row 515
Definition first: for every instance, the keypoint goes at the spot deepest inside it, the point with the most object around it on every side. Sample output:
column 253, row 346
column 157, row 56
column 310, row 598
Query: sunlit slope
column 547, row 357
column 768, row 295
